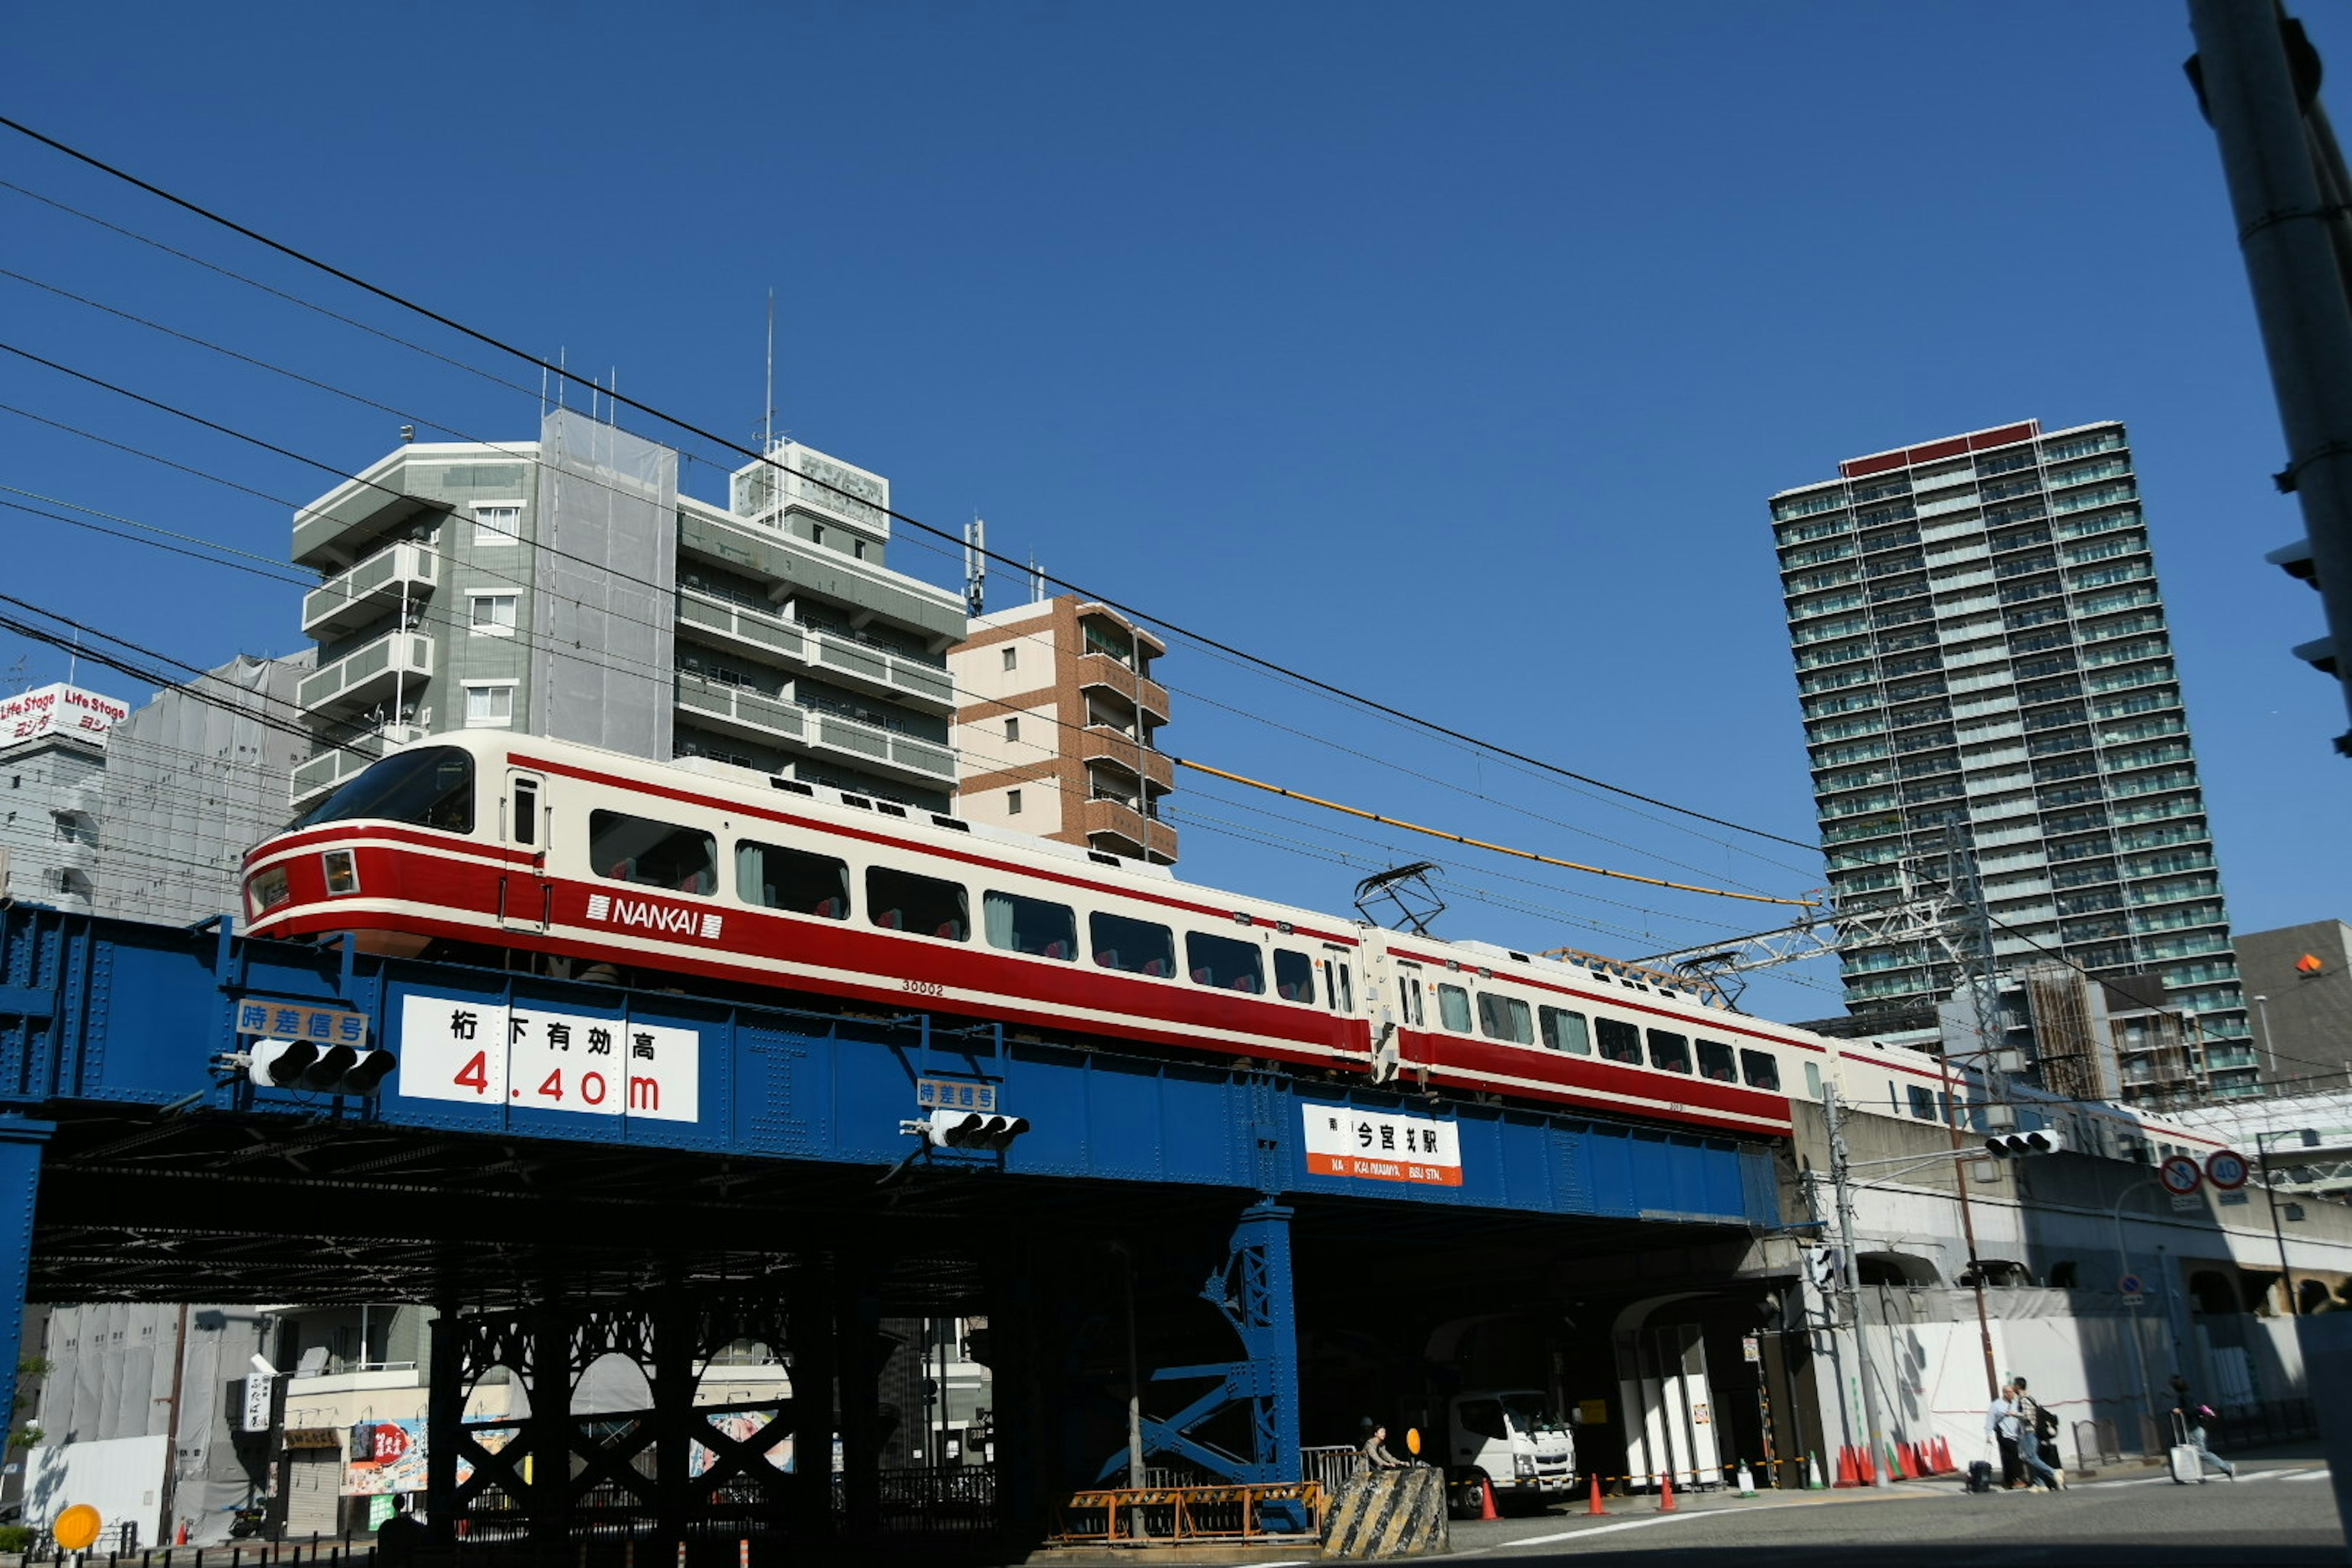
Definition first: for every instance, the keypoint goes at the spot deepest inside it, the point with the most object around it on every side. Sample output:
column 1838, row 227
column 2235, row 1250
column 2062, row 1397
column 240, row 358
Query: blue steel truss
column 1252, row 1290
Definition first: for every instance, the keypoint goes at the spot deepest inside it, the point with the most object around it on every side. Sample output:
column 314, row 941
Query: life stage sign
column 488, row 1055
column 1381, row 1146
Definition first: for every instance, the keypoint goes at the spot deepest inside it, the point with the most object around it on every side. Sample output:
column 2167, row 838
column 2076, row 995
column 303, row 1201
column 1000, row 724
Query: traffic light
column 1824, row 1267
column 2014, row 1145
column 319, row 1069
column 973, row 1129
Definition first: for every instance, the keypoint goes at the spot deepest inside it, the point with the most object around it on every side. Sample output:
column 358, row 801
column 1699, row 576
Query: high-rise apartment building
column 1984, row 664
column 565, row 587
column 1058, row 730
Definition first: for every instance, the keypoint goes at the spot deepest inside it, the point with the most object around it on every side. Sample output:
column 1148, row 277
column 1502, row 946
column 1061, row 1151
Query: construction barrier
column 1390, row 1513
column 1173, row 1514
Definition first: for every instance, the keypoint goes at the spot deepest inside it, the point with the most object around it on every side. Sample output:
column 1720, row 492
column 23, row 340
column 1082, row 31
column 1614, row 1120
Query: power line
column 678, row 423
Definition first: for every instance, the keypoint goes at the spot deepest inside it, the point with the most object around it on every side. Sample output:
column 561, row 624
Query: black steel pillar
column 810, row 1354
column 549, row 1424
column 858, row 1356
column 675, row 1342
column 444, row 1413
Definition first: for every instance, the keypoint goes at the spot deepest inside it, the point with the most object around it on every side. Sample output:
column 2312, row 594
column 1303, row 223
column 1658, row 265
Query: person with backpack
column 2035, row 1426
column 2192, row 1417
column 2001, row 1425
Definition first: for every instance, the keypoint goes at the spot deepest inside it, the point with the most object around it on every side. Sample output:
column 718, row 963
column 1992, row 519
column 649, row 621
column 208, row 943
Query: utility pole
column 1984, row 1000
column 1845, row 1197
column 2257, row 79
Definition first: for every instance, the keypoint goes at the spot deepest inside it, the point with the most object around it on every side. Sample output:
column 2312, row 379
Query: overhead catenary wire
column 1480, row 843
column 680, row 423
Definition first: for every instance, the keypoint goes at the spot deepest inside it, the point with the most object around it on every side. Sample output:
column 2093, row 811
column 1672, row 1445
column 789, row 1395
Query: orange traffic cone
column 1594, row 1507
column 1845, row 1473
column 1666, row 1492
column 1944, row 1456
column 1898, row 1463
column 179, row 1536
column 1486, row 1499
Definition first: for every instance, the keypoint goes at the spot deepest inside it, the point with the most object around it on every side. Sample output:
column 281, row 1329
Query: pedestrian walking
column 2035, row 1426
column 2193, row 1417
column 2001, row 1427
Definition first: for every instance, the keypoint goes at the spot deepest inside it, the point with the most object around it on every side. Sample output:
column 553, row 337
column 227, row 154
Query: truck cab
column 1511, row 1438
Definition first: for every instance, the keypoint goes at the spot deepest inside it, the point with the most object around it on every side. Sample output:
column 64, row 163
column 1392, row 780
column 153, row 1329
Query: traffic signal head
column 973, row 1129
column 330, row 1070
column 2010, row 1145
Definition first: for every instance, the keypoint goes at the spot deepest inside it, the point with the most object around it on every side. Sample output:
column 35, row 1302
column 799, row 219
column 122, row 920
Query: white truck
column 1511, row 1439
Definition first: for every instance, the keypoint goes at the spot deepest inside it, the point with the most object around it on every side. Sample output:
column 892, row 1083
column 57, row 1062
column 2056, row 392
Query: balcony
column 1115, row 747
column 1127, row 829
column 747, row 711
column 1102, row 669
column 313, row 780
column 369, row 590
column 368, row 673
column 852, row 664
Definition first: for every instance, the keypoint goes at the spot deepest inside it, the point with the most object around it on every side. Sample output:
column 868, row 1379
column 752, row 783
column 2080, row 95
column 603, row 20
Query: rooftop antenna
column 768, row 418
column 1037, row 581
column 975, row 564
column 73, row 657
column 18, row 679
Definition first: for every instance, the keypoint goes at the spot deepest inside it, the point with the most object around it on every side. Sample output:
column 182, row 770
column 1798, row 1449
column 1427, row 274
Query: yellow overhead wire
column 1482, row 844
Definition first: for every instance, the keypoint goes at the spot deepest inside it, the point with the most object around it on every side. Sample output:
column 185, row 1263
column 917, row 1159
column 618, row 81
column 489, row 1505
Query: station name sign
column 1380, row 1145
column 486, row 1054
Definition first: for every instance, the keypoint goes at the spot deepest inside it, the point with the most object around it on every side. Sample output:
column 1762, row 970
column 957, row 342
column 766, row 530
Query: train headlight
column 267, row 890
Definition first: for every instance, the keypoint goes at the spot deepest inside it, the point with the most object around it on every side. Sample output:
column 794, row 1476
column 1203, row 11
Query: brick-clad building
column 1055, row 729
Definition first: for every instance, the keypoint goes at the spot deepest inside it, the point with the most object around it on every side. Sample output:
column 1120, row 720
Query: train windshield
column 433, row 788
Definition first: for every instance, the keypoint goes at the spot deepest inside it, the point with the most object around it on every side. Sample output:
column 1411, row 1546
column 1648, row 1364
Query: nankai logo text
column 644, row 914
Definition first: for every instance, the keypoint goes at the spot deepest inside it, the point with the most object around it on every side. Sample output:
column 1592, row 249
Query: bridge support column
column 809, row 1328
column 20, row 1182
column 444, row 1411
column 550, row 1425
column 857, row 1342
column 675, row 1323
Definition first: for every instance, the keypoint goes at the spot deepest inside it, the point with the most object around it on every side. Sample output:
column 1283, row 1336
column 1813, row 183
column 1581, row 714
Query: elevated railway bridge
column 569, row 1170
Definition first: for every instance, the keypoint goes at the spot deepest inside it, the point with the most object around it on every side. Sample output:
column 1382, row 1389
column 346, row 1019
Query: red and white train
column 584, row 857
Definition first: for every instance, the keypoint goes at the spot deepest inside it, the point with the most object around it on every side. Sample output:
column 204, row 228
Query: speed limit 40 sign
column 2226, row 1169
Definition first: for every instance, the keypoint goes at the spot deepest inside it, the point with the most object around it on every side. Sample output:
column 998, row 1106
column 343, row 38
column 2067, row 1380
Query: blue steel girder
column 113, row 1011
column 1252, row 1290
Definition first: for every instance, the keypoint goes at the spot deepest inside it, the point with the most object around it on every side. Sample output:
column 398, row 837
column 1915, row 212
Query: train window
column 1294, row 976
column 1714, row 1062
column 1669, row 1052
column 1339, row 986
column 1620, row 1042
column 626, row 849
column 433, row 788
column 1505, row 1018
column 526, row 811
column 1762, row 1070
column 1923, row 1101
column 1139, row 947
column 1454, row 1008
column 1564, row 1031
column 1409, row 986
column 1813, row 1079
column 1225, row 963
column 900, row 900
column 792, row 881
column 1035, row 926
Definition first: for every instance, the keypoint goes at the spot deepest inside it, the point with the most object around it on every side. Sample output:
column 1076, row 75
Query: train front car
column 394, row 857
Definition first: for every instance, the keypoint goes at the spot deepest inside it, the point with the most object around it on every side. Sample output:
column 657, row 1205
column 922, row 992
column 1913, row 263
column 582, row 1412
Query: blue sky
column 1447, row 353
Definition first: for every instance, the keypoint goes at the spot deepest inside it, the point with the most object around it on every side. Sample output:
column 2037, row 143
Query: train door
column 525, row 895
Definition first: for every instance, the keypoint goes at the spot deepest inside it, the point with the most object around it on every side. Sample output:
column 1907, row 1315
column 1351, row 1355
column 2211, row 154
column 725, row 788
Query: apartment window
column 816, row 533
column 491, row 615
column 1013, row 729
column 1013, row 803
column 489, row 704
column 857, row 548
column 1012, row 658
column 497, row 524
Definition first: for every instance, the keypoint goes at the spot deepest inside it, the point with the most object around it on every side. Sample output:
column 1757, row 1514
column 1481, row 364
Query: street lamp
column 2123, row 1269
column 2270, row 1195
